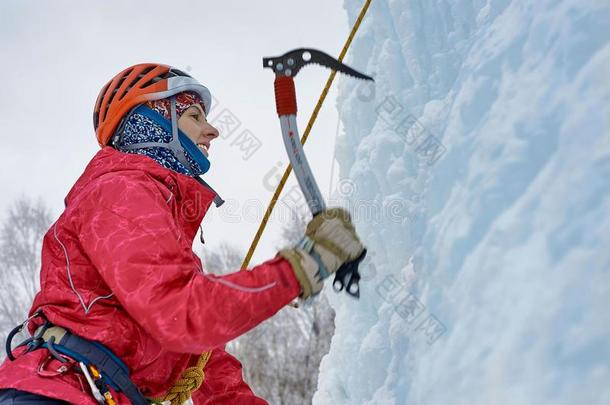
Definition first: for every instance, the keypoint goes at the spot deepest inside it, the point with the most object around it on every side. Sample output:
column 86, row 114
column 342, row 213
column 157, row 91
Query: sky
column 57, row 56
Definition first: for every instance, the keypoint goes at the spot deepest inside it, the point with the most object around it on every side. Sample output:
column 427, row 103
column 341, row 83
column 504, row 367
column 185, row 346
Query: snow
column 479, row 178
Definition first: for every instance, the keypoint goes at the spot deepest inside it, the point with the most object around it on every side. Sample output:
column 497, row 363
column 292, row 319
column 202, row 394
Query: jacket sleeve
column 223, row 382
column 129, row 233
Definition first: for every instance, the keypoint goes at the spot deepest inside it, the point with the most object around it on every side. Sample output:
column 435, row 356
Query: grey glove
column 330, row 241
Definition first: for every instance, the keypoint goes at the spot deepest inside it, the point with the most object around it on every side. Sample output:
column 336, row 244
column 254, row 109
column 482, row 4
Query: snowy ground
column 478, row 171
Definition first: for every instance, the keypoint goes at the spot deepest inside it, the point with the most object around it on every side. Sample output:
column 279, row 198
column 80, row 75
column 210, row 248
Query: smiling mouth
column 204, row 147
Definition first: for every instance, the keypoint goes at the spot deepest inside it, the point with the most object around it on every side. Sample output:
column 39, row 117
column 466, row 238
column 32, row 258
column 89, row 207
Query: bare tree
column 295, row 229
column 21, row 237
column 225, row 258
column 281, row 356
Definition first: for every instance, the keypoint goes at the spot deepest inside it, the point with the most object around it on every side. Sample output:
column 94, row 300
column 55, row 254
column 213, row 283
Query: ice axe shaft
column 285, row 68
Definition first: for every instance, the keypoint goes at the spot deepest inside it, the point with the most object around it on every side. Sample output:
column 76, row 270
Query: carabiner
column 63, row 368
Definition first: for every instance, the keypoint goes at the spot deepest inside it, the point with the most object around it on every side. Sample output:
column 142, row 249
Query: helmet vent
column 151, row 82
column 98, row 106
column 178, row 73
column 118, row 86
column 170, row 73
column 143, row 73
column 134, row 80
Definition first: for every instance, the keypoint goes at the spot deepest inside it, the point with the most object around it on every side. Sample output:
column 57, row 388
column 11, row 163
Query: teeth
column 203, row 148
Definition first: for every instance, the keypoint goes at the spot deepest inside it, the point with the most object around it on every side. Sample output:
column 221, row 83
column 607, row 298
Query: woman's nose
column 210, row 131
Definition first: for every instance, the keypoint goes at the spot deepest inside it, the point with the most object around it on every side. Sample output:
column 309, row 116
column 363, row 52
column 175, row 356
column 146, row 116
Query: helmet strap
column 180, row 151
column 175, row 146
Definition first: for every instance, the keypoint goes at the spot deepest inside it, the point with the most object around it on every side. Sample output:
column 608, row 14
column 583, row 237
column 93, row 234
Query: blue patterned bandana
column 141, row 127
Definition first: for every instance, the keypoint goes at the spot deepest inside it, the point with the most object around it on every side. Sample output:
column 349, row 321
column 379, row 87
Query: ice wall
column 478, row 173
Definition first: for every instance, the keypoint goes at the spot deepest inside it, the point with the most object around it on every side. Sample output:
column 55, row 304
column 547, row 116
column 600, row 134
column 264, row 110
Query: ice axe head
column 288, row 65
column 291, row 62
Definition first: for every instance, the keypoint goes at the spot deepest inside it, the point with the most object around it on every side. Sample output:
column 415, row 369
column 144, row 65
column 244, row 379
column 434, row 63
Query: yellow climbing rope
column 312, row 119
column 193, row 377
column 189, row 382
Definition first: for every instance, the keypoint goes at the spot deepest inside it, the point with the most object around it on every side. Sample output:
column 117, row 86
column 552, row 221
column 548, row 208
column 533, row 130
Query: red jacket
column 118, row 268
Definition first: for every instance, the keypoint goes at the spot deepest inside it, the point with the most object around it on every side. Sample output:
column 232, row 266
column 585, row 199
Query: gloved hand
column 330, row 240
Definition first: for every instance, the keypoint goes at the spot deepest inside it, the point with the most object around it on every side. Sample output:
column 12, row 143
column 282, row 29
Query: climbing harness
column 102, row 368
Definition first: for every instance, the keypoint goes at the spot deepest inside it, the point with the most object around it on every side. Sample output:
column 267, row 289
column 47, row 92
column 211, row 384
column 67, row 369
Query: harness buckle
column 102, row 369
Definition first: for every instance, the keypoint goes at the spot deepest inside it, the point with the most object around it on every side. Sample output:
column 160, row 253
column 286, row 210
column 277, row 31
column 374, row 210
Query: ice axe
column 286, row 68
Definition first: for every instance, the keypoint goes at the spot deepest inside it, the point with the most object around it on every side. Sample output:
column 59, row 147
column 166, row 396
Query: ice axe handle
column 285, row 95
column 348, row 277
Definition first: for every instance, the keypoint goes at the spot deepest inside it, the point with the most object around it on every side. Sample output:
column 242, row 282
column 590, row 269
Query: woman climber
column 125, row 308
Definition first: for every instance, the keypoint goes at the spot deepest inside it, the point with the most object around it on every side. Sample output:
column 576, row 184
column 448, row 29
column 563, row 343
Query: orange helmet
column 136, row 85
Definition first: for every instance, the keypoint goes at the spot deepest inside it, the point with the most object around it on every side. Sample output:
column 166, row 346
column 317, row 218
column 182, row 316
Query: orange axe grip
column 285, row 96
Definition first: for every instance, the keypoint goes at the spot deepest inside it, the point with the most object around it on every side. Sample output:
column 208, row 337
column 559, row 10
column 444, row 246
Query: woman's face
column 194, row 124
